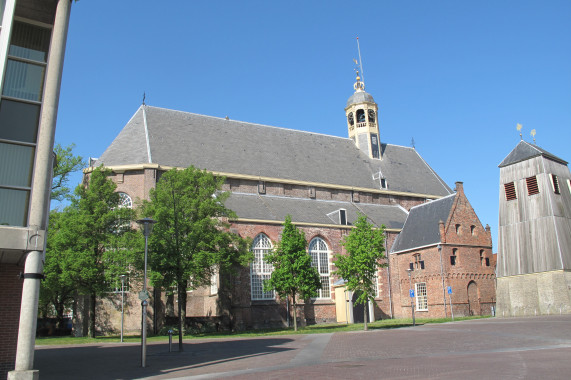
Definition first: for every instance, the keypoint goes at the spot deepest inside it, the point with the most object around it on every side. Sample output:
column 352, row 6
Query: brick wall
column 10, row 300
column 471, row 278
column 471, row 240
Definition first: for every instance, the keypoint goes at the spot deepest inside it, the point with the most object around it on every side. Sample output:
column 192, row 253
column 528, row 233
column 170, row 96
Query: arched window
column 360, row 116
column 125, row 200
column 260, row 270
column 320, row 259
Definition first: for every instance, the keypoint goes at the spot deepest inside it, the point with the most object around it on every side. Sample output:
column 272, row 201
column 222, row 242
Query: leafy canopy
column 190, row 239
column 293, row 273
column 66, row 163
column 365, row 246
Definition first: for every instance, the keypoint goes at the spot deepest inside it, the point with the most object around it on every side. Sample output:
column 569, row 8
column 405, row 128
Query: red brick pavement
column 518, row 348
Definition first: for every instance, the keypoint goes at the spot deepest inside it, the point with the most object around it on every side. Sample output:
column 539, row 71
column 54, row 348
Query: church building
column 324, row 182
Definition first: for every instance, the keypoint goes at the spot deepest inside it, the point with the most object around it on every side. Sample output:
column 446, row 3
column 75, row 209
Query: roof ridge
column 433, row 201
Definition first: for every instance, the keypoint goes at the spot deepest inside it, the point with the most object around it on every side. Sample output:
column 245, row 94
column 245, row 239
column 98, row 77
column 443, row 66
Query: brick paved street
column 510, row 348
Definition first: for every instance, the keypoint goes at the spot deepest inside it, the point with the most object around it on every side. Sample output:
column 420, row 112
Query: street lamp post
column 147, row 226
column 122, row 303
column 409, row 271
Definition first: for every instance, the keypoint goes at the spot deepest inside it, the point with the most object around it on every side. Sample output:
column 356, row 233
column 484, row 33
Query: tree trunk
column 170, row 305
column 365, row 317
column 294, row 313
column 59, row 306
column 181, row 314
column 92, row 299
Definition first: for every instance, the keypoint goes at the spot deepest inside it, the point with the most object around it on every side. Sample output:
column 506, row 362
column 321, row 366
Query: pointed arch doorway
column 473, row 299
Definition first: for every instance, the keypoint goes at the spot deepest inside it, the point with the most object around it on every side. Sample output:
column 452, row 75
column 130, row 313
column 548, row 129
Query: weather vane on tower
column 360, row 83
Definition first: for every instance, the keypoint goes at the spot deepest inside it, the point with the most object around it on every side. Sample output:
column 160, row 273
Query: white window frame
column 376, row 283
column 259, row 269
column 319, row 252
column 214, row 282
column 421, row 296
column 125, row 201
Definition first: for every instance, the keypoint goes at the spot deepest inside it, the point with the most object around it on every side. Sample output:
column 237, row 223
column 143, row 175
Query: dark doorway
column 358, row 310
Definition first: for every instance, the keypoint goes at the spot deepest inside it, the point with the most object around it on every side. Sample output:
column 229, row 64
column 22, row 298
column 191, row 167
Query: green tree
column 365, row 246
column 57, row 291
column 190, row 241
column 92, row 242
column 66, row 163
column 293, row 273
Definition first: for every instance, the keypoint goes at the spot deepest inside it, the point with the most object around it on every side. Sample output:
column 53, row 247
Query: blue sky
column 457, row 76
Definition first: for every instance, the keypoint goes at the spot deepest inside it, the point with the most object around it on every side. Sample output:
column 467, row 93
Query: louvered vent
column 510, row 191
column 532, row 185
column 555, row 184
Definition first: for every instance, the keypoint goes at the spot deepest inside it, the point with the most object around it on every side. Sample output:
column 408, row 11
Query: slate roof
column 422, row 225
column 275, row 208
column 524, row 151
column 180, row 139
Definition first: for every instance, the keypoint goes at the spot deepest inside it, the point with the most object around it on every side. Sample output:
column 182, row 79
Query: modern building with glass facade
column 32, row 44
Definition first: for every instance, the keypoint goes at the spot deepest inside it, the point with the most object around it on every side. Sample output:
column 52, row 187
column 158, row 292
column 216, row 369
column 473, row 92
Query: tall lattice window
column 261, row 270
column 421, row 296
column 320, row 259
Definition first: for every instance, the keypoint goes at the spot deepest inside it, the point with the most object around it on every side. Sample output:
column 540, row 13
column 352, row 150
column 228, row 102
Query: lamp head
column 146, row 225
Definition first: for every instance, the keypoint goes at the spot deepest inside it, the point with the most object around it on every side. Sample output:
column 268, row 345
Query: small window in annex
column 421, row 296
column 260, row 270
column 532, row 187
column 320, row 260
column 510, row 191
column 457, row 229
column 555, row 183
column 453, row 257
column 472, row 229
column 418, row 263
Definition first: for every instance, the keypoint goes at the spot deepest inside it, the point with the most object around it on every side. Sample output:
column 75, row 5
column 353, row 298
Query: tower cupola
column 362, row 120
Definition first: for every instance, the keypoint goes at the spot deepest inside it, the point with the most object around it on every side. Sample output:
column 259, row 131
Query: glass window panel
column 14, row 207
column 24, row 80
column 19, row 121
column 2, row 6
column 30, row 42
column 16, row 163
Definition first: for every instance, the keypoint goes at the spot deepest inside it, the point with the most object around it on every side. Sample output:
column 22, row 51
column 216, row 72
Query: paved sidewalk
column 510, row 348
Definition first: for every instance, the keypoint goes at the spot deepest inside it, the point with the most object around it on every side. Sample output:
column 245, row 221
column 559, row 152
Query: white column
column 40, row 196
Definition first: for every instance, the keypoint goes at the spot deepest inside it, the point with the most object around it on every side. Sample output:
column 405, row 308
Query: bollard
column 170, row 340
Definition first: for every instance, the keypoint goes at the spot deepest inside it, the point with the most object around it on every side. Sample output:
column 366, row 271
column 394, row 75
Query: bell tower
column 363, row 120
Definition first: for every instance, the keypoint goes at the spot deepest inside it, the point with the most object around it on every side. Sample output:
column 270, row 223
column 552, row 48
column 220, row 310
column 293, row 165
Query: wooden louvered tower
column 534, row 241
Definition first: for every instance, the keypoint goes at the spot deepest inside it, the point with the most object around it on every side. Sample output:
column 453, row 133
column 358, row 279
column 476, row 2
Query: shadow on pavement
column 116, row 361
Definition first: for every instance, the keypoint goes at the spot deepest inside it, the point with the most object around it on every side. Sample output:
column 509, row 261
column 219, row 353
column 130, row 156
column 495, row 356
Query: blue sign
column 449, row 289
column 411, row 292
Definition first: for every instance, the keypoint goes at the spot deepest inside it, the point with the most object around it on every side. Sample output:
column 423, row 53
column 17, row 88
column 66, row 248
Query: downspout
column 389, row 277
column 442, row 277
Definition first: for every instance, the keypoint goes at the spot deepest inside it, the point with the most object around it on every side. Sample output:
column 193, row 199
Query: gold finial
column 519, row 129
column 533, row 135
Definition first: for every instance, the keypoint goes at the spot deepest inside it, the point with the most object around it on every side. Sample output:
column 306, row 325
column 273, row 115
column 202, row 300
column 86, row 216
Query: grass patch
column 314, row 329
